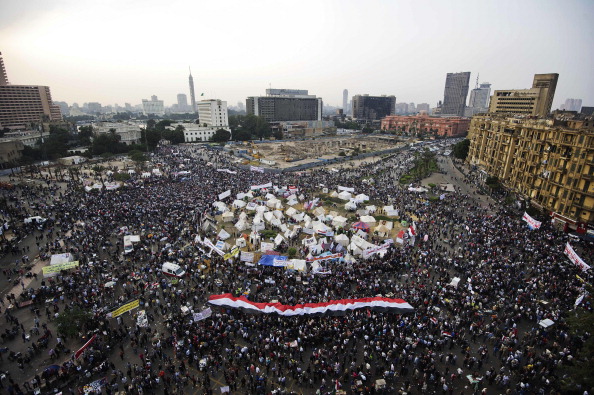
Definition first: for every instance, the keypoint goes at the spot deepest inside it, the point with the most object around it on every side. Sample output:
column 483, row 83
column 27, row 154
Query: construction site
column 290, row 153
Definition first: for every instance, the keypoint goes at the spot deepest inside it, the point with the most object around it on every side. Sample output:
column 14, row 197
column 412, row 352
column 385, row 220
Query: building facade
column 479, row 96
column 153, row 106
column 3, row 75
column 345, row 101
column 548, row 161
column 23, row 105
column 285, row 105
column 536, row 101
column 10, row 152
column 454, row 94
column 423, row 124
column 213, row 113
column 129, row 132
column 373, row 108
column 192, row 94
column 194, row 133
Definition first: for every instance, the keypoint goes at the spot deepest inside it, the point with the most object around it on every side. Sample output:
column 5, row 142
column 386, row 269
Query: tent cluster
column 326, row 232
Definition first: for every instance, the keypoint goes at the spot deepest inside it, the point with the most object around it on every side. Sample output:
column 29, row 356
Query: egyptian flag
column 332, row 307
column 83, row 348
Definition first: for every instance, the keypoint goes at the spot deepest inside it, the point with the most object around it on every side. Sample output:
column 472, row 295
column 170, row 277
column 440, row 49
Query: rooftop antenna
column 477, row 76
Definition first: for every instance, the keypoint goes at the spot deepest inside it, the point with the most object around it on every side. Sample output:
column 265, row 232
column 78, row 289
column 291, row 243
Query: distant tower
column 345, row 101
column 192, row 95
column 3, row 77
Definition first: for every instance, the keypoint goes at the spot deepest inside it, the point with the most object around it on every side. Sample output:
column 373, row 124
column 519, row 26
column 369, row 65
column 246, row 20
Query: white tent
column 243, row 216
column 319, row 227
column 270, row 196
column 368, row 219
column 382, row 230
column 339, row 221
column 291, row 211
column 240, row 242
column 220, row 206
column 390, row 211
column 351, row 206
column 278, row 239
column 261, row 209
column 239, row 203
column 342, row 239
column 223, row 234
column 361, row 197
column 228, row 216
column 334, row 194
column 546, row 323
column 258, row 219
column 275, row 222
column 298, row 217
column 292, row 200
column 278, row 214
column 319, row 211
column 251, row 206
column 145, row 174
column 241, row 225
column 370, row 209
column 268, row 216
column 344, row 195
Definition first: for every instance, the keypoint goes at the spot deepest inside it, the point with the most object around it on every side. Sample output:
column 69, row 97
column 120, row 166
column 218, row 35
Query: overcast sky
column 117, row 51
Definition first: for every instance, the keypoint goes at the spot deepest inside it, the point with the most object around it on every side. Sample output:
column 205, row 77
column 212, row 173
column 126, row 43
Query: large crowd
column 480, row 336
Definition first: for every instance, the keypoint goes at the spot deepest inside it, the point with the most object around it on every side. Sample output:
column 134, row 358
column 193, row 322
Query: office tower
column 182, row 100
column 285, row 105
column 3, row 76
column 153, row 106
column 23, row 105
column 423, row 107
column 192, row 95
column 536, row 101
column 572, row 105
column 94, row 107
column 213, row 113
column 549, row 163
column 373, row 108
column 345, row 101
column 479, row 96
column 454, row 95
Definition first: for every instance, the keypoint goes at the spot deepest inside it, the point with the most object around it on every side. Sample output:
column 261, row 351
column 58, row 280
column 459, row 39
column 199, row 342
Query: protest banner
column 53, row 270
column 532, row 223
column 573, row 256
column 127, row 307
column 225, row 194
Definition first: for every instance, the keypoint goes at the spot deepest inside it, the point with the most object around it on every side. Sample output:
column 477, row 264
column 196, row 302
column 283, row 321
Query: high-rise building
column 213, row 113
column 153, row 106
column 572, row 105
column 479, row 96
column 94, row 107
column 182, row 100
column 285, row 105
column 373, row 108
column 23, row 105
column 423, row 107
column 454, row 94
column 192, row 94
column 345, row 101
column 536, row 101
column 549, row 161
column 3, row 76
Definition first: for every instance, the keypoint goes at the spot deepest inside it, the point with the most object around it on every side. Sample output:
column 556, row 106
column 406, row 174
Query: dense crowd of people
column 481, row 335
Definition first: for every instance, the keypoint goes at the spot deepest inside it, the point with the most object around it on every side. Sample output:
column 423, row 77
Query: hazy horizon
column 126, row 51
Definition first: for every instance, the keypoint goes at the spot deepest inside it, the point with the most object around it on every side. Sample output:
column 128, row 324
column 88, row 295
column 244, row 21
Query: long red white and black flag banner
column 333, row 307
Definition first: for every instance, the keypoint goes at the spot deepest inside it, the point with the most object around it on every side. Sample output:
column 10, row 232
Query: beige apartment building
column 548, row 161
column 536, row 101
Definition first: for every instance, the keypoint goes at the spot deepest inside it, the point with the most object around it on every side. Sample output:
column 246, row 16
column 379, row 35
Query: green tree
column 71, row 322
column 137, row 156
column 242, row 135
column 460, row 150
column 221, row 136
column 278, row 134
column 85, row 134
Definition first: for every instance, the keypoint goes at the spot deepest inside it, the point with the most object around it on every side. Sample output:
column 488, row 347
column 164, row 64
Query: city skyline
column 93, row 63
